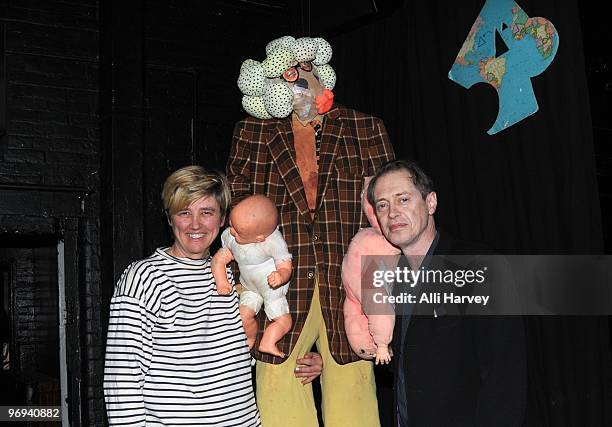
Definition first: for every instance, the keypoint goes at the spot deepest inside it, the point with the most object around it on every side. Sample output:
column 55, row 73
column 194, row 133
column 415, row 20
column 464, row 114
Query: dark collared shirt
column 400, row 384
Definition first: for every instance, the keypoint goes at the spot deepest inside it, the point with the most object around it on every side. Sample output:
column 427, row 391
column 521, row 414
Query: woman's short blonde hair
column 191, row 183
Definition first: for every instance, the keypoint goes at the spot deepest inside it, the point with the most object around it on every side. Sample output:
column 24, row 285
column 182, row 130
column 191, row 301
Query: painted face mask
column 310, row 97
column 303, row 101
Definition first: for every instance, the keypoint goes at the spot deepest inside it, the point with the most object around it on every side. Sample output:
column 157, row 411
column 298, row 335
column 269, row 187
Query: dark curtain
column 529, row 189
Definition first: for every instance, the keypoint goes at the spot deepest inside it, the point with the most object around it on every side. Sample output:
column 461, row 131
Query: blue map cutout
column 531, row 46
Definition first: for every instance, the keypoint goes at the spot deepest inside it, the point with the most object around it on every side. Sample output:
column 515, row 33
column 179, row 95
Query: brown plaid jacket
column 262, row 161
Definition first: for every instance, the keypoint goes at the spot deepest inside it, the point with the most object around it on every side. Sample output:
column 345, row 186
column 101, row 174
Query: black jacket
column 461, row 370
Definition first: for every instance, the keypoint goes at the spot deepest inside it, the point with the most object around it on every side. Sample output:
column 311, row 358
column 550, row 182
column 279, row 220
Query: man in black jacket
column 450, row 369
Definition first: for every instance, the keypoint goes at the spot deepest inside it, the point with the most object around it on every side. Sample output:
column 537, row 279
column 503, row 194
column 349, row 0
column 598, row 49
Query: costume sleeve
column 380, row 150
column 128, row 353
column 239, row 165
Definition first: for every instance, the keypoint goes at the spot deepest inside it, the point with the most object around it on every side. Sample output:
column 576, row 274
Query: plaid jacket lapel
column 332, row 137
column 280, row 144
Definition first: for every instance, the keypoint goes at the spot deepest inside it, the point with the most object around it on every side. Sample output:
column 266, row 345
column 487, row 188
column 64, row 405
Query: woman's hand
column 308, row 367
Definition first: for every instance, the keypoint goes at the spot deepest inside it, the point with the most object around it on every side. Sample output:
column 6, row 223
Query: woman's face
column 195, row 228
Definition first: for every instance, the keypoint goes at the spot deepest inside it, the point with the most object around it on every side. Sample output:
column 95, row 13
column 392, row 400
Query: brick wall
column 35, row 315
column 51, row 57
column 35, row 318
column 52, row 141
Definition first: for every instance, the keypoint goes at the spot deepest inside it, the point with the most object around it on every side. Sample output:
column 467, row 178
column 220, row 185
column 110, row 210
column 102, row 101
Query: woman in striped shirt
column 176, row 351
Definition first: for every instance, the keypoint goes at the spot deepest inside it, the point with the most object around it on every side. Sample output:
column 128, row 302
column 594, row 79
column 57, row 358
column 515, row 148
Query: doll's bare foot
column 273, row 350
column 274, row 332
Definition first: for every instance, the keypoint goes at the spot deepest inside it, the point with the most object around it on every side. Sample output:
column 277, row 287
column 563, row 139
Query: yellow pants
column 348, row 391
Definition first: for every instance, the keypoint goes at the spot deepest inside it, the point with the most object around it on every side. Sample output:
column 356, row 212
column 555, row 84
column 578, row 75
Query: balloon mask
column 269, row 87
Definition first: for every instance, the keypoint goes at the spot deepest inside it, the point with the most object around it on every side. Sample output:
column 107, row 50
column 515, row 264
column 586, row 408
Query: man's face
column 405, row 218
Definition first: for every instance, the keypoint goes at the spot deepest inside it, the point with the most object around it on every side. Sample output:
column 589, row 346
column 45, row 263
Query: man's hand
column 308, row 367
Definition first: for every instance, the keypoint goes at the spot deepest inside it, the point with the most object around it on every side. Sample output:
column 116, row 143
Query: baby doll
column 254, row 241
column 368, row 335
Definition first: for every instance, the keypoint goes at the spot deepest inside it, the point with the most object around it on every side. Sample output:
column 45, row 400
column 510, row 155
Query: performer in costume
column 310, row 156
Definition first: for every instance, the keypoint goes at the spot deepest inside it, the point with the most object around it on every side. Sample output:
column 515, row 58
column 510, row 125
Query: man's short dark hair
column 420, row 179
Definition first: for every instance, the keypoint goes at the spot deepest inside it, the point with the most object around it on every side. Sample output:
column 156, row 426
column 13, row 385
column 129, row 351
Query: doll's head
column 253, row 219
column 294, row 77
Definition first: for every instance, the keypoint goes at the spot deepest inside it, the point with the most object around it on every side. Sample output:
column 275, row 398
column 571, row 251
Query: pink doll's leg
column 274, row 332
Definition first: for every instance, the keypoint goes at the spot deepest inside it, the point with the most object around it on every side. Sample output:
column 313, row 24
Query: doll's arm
column 355, row 321
column 381, row 319
column 380, row 314
column 356, row 326
column 281, row 275
column 219, row 271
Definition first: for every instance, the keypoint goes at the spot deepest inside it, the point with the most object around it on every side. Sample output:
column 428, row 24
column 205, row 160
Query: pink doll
column 369, row 336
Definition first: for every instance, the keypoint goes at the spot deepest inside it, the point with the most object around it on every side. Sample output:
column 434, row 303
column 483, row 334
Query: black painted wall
column 169, row 99
column 598, row 66
column 100, row 101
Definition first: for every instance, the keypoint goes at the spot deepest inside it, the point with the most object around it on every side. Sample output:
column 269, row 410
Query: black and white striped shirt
column 176, row 352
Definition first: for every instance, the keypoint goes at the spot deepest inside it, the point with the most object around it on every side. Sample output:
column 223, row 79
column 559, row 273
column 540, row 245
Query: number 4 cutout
column 529, row 46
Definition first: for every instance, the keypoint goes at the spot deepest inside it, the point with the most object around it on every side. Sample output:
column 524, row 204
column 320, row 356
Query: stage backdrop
column 530, row 188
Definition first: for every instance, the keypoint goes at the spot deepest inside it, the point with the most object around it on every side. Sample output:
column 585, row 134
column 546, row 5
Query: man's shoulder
column 451, row 245
column 251, row 123
column 349, row 114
